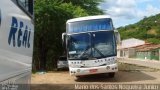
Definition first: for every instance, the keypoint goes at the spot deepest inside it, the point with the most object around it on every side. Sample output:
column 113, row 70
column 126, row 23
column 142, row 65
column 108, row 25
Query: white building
column 126, row 48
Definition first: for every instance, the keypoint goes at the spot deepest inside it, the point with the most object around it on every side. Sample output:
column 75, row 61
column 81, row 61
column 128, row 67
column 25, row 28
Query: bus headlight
column 73, row 72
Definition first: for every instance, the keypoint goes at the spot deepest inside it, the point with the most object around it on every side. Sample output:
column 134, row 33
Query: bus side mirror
column 64, row 38
column 118, row 37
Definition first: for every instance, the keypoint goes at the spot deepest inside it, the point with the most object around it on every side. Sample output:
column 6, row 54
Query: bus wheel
column 111, row 75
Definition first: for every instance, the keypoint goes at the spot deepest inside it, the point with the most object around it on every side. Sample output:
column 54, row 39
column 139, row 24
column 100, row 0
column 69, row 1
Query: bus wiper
column 84, row 53
column 99, row 52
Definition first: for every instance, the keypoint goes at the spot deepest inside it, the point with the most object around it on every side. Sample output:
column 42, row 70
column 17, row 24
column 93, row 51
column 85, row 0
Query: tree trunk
column 42, row 54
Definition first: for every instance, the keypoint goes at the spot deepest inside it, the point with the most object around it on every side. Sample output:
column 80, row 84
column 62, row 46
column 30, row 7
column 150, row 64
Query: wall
column 155, row 54
column 143, row 55
column 131, row 52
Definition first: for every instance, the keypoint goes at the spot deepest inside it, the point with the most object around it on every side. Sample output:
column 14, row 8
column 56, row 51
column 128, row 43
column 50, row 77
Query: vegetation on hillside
column 50, row 20
column 147, row 29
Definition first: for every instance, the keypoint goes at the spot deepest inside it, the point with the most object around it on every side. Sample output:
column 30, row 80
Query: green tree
column 147, row 29
column 50, row 23
column 89, row 5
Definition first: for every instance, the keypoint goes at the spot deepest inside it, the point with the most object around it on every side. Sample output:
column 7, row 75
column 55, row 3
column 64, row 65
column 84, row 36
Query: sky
column 125, row 12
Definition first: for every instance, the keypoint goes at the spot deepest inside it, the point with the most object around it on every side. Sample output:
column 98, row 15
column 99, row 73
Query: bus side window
column 27, row 5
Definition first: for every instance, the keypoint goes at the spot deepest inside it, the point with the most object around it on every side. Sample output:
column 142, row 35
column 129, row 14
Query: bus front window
column 79, row 44
column 103, row 44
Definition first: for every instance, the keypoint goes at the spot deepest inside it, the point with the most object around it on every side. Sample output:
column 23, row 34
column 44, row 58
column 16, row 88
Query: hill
column 147, row 29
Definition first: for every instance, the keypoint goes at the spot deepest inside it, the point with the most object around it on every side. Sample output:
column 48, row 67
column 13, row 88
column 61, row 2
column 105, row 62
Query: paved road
column 128, row 74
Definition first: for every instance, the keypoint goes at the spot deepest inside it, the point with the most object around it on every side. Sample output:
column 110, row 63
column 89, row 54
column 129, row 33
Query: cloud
column 126, row 13
column 129, row 10
column 150, row 10
column 142, row 1
column 120, row 8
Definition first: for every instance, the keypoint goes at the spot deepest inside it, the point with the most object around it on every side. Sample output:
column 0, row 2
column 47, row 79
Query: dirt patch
column 127, row 74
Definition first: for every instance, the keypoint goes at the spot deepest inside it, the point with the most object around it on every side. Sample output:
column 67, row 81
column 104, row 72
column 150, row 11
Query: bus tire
column 111, row 75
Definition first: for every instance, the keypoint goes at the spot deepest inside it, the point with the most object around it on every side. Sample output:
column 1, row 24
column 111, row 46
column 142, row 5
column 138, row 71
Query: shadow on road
column 121, row 76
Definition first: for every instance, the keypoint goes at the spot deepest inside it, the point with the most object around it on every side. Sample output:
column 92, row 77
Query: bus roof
column 88, row 18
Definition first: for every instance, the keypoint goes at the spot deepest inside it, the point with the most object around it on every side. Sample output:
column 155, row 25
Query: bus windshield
column 78, row 44
column 91, row 45
column 103, row 44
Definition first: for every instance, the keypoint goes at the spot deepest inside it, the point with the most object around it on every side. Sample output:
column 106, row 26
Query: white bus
column 91, row 46
column 16, row 44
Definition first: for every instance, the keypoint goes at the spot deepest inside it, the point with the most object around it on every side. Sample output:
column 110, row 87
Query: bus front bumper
column 93, row 70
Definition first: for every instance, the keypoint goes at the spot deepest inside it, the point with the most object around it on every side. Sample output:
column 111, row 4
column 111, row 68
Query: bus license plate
column 93, row 70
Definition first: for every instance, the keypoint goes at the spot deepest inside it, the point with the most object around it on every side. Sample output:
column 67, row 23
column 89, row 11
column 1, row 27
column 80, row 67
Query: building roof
column 131, row 42
column 88, row 18
column 147, row 47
